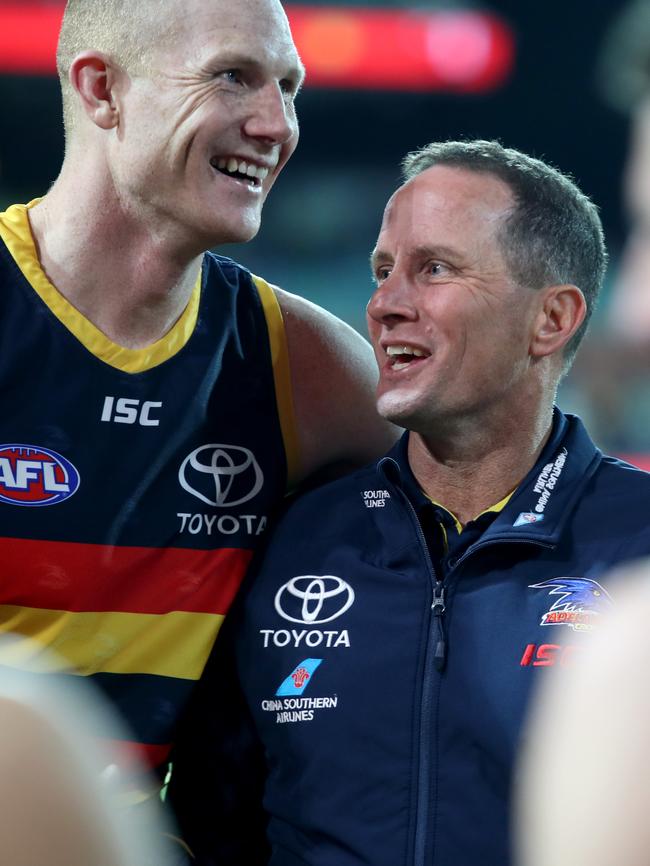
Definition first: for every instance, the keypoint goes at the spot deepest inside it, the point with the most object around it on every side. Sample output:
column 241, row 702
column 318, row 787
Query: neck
column 469, row 466
column 127, row 279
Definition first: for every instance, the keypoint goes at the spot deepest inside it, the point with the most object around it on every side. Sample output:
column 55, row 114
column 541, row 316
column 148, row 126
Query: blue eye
column 382, row 274
column 232, row 75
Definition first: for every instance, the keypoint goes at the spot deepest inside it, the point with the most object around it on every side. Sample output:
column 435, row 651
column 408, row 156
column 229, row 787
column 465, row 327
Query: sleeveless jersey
column 134, row 484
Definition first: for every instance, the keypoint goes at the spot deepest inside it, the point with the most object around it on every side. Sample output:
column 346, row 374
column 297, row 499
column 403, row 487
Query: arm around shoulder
column 333, row 378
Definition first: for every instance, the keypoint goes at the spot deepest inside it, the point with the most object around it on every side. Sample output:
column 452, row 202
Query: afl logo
column 313, row 599
column 221, row 475
column 35, row 476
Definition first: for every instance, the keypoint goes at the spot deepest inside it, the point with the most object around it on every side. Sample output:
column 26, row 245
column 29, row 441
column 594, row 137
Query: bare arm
column 333, row 377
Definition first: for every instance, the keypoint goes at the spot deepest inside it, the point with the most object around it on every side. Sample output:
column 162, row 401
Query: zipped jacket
column 388, row 700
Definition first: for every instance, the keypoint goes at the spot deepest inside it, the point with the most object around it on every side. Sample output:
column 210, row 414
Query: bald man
column 158, row 400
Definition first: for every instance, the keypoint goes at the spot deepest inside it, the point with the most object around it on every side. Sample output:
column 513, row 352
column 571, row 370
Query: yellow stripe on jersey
column 282, row 377
column 16, row 232
column 171, row 645
column 499, row 506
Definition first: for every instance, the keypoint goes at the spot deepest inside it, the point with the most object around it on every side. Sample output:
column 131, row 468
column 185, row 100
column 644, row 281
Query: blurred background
column 384, row 78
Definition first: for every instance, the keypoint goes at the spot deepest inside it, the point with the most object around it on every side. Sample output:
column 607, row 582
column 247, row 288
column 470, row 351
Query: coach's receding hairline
column 125, row 30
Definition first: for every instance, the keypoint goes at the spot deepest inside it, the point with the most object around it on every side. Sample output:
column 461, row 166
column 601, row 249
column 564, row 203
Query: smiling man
column 400, row 617
column 159, row 400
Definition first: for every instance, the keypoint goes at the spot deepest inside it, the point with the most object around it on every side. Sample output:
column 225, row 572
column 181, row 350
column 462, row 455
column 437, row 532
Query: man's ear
column 93, row 76
column 563, row 309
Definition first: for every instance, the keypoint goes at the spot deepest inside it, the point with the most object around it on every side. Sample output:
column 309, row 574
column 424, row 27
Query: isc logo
column 126, row 410
column 547, row 654
column 34, row 476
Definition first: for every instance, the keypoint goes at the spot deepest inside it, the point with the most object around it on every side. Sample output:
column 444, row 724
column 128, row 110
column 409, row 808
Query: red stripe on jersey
column 129, row 755
column 61, row 575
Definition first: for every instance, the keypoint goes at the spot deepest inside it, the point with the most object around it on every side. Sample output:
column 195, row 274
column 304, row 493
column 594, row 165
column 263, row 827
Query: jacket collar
column 542, row 502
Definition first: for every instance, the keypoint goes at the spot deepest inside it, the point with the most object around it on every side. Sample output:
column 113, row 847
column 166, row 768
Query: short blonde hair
column 125, row 30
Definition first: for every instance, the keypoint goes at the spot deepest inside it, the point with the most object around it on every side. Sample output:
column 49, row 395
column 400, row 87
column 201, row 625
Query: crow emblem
column 578, row 604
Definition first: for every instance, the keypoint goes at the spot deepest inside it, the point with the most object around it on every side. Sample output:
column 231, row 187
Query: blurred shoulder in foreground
column 583, row 791
column 59, row 800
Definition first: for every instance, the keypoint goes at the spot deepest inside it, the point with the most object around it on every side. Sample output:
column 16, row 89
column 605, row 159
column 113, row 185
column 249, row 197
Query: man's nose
column 392, row 301
column 272, row 115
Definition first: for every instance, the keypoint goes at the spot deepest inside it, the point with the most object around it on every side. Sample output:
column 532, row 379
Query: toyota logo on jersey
column 31, row 475
column 313, row 599
column 221, row 475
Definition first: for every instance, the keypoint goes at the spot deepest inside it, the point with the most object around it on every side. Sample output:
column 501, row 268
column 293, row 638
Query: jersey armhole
column 281, row 378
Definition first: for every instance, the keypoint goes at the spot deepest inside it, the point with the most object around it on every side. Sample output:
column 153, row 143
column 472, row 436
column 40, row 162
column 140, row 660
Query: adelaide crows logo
column 579, row 602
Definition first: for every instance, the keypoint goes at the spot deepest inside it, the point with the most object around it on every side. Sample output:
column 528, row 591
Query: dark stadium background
column 322, row 218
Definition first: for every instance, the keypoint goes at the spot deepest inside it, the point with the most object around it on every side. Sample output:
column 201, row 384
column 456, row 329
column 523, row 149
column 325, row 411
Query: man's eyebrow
column 296, row 71
column 435, row 251
column 378, row 257
column 422, row 251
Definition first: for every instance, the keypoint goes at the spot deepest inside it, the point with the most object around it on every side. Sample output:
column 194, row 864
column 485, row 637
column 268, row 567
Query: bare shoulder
column 333, row 377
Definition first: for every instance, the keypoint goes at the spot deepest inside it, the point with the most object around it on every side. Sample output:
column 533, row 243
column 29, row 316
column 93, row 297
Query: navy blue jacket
column 388, row 704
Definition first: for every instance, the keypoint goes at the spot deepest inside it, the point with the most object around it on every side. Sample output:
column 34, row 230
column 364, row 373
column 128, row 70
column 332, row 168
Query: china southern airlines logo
column 312, row 599
column 299, row 678
column 221, row 475
column 30, row 475
column 579, row 602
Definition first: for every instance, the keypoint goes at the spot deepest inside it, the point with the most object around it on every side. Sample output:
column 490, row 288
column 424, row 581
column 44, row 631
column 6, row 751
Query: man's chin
column 240, row 234
column 399, row 410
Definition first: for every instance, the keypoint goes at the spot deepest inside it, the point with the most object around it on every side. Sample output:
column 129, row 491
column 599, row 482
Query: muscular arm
column 333, row 377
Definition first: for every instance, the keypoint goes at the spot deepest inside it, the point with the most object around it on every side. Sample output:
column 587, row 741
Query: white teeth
column 232, row 165
column 404, row 350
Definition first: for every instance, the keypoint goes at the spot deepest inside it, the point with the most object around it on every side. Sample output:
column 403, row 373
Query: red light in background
column 640, row 460
column 28, row 36
column 402, row 50
column 342, row 47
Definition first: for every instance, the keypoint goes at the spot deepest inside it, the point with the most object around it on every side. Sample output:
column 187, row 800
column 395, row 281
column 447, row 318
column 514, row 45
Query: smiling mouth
column 404, row 356
column 239, row 169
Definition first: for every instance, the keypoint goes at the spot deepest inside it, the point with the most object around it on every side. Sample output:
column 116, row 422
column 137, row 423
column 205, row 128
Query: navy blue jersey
column 135, row 484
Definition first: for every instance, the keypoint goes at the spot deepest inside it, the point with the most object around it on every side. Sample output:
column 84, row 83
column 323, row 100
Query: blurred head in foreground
column 583, row 788
column 59, row 800
column 625, row 82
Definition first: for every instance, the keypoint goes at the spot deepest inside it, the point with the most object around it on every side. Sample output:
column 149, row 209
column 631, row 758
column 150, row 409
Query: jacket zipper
column 437, row 662
column 435, row 637
column 438, row 607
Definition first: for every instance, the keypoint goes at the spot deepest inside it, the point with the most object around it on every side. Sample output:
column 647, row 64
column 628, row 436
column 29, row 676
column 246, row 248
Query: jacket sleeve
column 218, row 768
